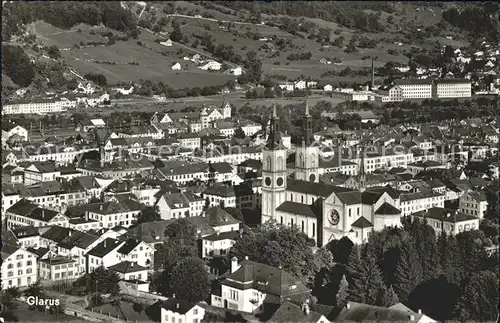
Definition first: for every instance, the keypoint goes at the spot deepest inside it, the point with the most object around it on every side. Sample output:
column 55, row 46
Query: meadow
column 127, row 61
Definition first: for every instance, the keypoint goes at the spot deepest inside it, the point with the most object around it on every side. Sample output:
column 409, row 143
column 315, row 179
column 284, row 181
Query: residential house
column 26, row 213
column 474, row 203
column 57, row 268
column 176, row 66
column 111, row 214
column 129, row 270
column 104, row 254
column 19, row 267
column 178, row 311
column 290, row 312
column 251, row 285
column 40, row 172
column 447, row 220
column 220, row 195
column 218, row 244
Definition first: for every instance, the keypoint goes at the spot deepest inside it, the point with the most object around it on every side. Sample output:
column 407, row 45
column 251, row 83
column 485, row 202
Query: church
column 323, row 212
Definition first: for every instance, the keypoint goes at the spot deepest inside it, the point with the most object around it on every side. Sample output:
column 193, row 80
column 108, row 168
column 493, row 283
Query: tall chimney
column 419, row 311
column 234, row 264
column 373, row 75
column 348, row 305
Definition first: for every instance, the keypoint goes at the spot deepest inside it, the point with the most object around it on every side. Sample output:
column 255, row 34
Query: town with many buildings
column 307, row 199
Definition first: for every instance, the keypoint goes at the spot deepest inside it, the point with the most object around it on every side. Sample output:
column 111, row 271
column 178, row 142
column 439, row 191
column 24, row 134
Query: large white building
column 455, row 88
column 19, row 267
column 324, row 212
column 415, row 89
column 41, row 106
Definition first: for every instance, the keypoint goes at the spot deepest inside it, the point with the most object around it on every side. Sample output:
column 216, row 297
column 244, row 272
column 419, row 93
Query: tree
column 53, row 52
column 35, row 290
column 190, row 280
column 389, row 297
column 479, row 300
column 148, row 214
column 176, row 34
column 239, row 133
column 342, row 294
column 14, row 292
column 408, row 271
column 8, row 306
column 207, row 204
column 366, row 284
column 102, row 281
column 278, row 245
column 138, row 307
column 17, row 65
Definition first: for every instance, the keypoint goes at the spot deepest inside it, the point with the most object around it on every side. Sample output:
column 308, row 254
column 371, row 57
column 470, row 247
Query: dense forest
column 66, row 15
column 17, row 65
column 483, row 20
column 447, row 277
column 348, row 14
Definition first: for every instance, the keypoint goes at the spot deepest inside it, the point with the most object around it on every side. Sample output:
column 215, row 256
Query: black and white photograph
column 250, row 161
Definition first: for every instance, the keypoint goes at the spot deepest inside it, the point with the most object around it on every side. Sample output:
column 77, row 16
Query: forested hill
column 64, row 15
column 480, row 19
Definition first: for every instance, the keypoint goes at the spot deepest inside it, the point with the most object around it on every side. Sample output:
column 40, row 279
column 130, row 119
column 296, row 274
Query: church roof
column 388, row 209
column 317, row 189
column 297, row 208
column 350, row 198
column 362, row 223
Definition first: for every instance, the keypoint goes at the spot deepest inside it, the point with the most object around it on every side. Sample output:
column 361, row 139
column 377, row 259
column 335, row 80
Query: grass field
column 25, row 315
column 154, row 60
column 126, row 309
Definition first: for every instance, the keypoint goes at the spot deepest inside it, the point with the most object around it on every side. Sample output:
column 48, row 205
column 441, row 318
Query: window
column 195, row 311
column 233, row 294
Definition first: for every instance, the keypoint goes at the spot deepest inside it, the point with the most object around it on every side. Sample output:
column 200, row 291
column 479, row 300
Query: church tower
column 307, row 155
column 274, row 175
column 226, row 109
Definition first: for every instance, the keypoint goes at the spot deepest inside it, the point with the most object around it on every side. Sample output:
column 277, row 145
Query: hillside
column 120, row 40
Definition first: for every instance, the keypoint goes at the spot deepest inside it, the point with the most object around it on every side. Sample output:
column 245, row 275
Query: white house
column 176, row 66
column 128, row 270
column 446, row 220
column 19, row 267
column 167, row 43
column 328, row 88
column 26, row 213
column 473, row 203
column 236, row 70
column 180, row 311
column 252, row 284
column 211, row 65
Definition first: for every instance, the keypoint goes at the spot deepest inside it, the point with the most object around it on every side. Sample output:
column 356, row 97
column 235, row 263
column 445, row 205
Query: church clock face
column 312, row 177
column 279, row 181
column 334, row 217
column 268, row 181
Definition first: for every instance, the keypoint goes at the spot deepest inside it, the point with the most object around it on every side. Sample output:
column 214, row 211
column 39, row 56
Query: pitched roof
column 317, row 189
column 265, row 278
column 150, row 232
column 445, row 215
column 220, row 190
column 105, row 247
column 362, row 223
column 228, row 235
column 28, row 209
column 176, row 200
column 129, row 245
column 217, row 217
column 289, row 312
column 358, row 312
column 297, row 208
column 126, row 267
column 388, row 209
column 177, row 305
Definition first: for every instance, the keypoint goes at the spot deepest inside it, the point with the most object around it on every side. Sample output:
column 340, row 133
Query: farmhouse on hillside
column 167, row 43
column 176, row 66
column 211, row 65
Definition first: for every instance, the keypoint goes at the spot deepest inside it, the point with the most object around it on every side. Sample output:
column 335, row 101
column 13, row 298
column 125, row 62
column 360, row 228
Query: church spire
column 274, row 138
column 307, row 125
column 362, row 175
